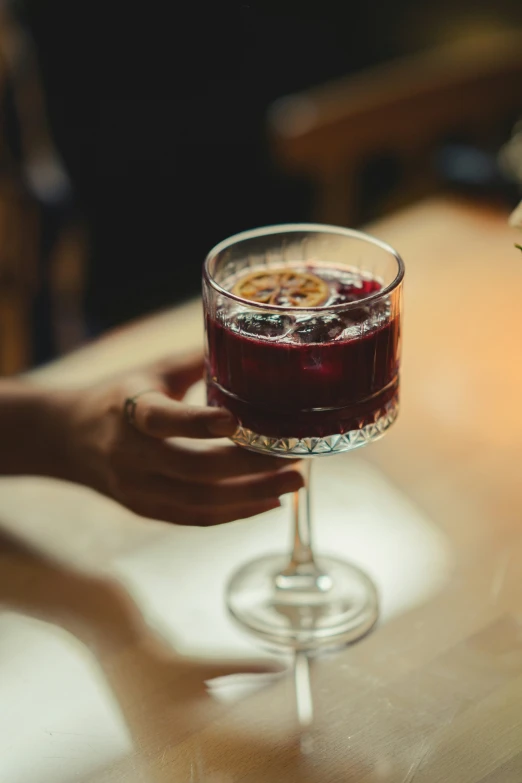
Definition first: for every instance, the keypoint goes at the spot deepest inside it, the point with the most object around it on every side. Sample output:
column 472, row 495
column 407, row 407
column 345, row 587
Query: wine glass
column 303, row 326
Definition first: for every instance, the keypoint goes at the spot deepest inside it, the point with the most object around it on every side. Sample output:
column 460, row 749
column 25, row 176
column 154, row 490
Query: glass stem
column 302, row 553
column 302, row 574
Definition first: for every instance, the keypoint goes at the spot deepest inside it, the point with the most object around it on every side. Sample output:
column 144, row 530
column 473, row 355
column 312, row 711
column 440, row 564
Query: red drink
column 307, row 374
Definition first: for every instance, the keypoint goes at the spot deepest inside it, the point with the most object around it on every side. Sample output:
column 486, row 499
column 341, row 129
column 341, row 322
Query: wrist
column 35, row 430
column 56, row 455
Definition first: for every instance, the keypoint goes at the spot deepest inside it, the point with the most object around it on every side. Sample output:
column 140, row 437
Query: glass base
column 320, row 446
column 334, row 605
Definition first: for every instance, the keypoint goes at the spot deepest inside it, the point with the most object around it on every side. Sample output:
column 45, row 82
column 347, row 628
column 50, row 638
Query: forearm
column 33, row 436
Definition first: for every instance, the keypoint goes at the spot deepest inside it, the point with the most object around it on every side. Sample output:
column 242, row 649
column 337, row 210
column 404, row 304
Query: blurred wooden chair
column 28, row 183
column 18, row 246
column 18, row 275
column 403, row 110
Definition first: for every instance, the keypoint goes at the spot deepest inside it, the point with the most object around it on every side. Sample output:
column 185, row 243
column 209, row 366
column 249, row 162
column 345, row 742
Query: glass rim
column 319, row 228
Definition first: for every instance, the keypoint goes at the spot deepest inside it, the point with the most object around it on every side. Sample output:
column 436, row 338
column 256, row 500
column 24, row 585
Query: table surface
column 111, row 624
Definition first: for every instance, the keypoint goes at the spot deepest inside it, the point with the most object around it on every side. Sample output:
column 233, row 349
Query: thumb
column 179, row 374
column 161, row 417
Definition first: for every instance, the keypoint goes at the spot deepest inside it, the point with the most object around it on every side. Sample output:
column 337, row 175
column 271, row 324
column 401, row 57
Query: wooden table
column 113, row 623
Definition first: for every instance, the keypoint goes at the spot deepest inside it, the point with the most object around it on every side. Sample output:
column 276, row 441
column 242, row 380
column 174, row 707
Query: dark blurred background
column 133, row 137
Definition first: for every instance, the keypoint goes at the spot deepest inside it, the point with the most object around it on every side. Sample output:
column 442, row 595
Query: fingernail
column 224, row 424
column 290, row 483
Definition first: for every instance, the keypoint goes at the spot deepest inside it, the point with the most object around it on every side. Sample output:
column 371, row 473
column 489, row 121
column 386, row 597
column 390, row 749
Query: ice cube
column 357, row 315
column 270, row 325
column 318, row 329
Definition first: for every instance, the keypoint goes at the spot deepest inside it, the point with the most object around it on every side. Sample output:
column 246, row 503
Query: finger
column 204, row 462
column 181, row 373
column 159, row 416
column 200, row 517
column 233, row 492
column 209, row 517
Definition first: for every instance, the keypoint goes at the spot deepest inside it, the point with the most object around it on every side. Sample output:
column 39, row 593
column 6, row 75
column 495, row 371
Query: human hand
column 159, row 463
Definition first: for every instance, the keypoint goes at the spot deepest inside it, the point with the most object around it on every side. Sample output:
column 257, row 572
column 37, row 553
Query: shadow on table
column 172, row 715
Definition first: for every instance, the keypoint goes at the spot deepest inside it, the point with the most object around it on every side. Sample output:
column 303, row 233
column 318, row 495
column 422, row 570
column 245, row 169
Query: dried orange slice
column 287, row 287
